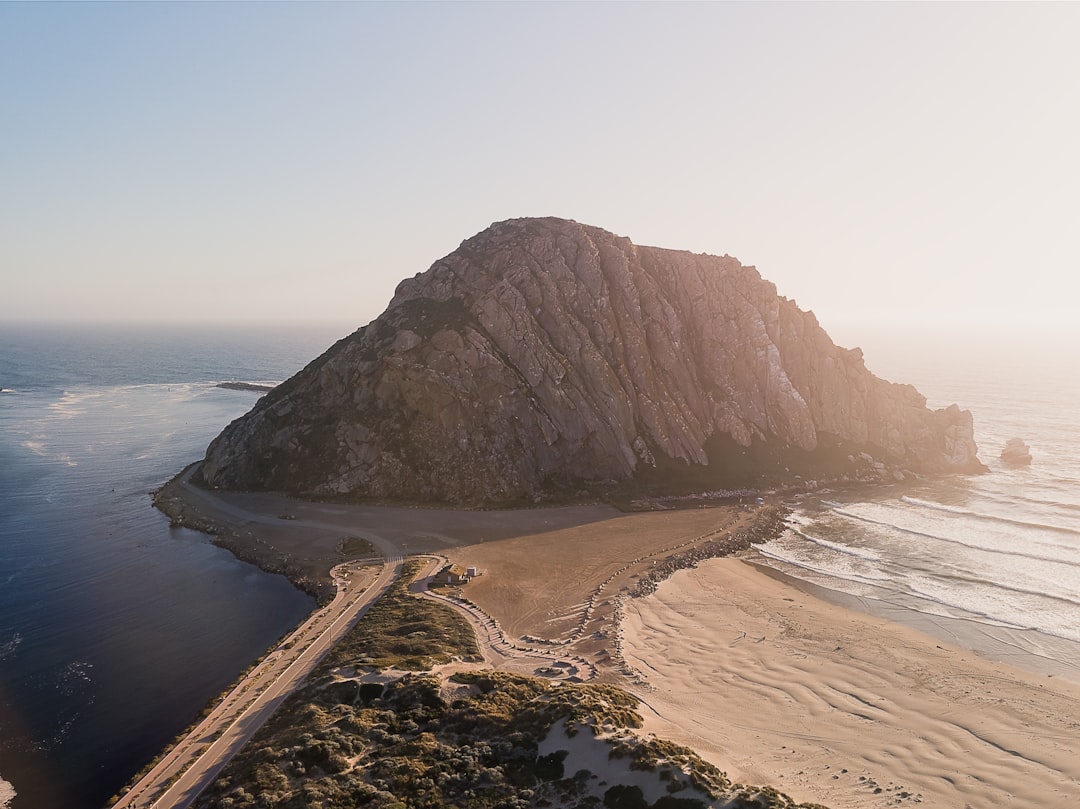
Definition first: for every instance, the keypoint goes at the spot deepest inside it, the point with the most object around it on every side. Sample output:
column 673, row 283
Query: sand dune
column 829, row 705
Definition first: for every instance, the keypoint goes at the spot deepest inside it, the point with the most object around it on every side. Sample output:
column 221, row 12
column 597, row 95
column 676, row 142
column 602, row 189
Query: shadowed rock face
column 544, row 356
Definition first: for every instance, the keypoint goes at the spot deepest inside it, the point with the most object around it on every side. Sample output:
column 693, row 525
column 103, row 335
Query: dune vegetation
column 376, row 726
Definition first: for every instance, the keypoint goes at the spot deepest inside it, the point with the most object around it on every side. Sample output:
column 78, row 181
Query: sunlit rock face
column 544, row 357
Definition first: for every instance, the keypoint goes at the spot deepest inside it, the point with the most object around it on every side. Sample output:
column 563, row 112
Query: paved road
column 191, row 765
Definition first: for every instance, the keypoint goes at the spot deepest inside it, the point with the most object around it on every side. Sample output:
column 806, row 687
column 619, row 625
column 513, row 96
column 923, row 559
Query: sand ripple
column 775, row 686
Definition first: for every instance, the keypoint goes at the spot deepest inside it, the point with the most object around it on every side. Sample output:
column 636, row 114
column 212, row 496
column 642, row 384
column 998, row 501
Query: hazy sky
column 256, row 162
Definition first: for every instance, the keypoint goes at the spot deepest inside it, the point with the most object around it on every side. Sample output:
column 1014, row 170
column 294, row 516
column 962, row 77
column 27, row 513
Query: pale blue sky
column 258, row 162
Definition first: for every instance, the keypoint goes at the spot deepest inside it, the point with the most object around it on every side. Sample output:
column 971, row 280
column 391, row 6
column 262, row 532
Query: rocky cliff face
column 544, row 356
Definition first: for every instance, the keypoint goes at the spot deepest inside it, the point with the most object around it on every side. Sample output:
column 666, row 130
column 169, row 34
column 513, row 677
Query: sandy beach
column 831, row 705
column 767, row 681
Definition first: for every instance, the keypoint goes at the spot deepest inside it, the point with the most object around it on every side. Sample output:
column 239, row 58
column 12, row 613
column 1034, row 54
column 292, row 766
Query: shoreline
column 174, row 501
column 780, row 681
column 1029, row 650
column 776, row 685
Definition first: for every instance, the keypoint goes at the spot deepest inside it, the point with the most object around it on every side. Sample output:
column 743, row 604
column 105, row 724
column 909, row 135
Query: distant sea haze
column 115, row 630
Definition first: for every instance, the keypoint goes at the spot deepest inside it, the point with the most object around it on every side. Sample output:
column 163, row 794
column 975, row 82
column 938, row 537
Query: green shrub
column 550, row 767
column 622, row 796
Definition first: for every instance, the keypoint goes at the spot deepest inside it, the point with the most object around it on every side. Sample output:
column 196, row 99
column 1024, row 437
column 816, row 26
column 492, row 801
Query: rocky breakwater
column 544, row 358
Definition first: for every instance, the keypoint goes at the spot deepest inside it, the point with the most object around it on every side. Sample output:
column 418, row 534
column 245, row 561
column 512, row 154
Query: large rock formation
column 544, row 356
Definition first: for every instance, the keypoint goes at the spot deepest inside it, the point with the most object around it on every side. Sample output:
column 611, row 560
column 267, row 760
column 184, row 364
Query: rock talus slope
column 544, row 356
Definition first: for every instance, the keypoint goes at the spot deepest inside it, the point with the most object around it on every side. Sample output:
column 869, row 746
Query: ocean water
column 116, row 630
column 998, row 552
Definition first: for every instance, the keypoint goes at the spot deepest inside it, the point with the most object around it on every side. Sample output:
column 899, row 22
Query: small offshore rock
column 1016, row 452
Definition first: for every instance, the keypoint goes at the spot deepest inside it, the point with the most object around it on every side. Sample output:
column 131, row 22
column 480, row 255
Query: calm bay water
column 115, row 630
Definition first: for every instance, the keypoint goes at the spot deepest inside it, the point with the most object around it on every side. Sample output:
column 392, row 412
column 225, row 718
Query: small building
column 451, row 575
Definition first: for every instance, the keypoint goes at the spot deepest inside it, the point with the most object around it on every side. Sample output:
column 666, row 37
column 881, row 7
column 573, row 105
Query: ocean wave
column 1070, row 602
column 72, row 401
column 1021, row 500
column 772, row 550
column 843, row 512
column 268, row 383
column 944, row 590
column 969, row 579
column 847, row 550
column 942, row 570
column 186, row 386
column 973, row 545
column 156, row 386
column 1017, row 617
column 1055, row 479
column 926, row 599
column 965, row 512
column 948, row 608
